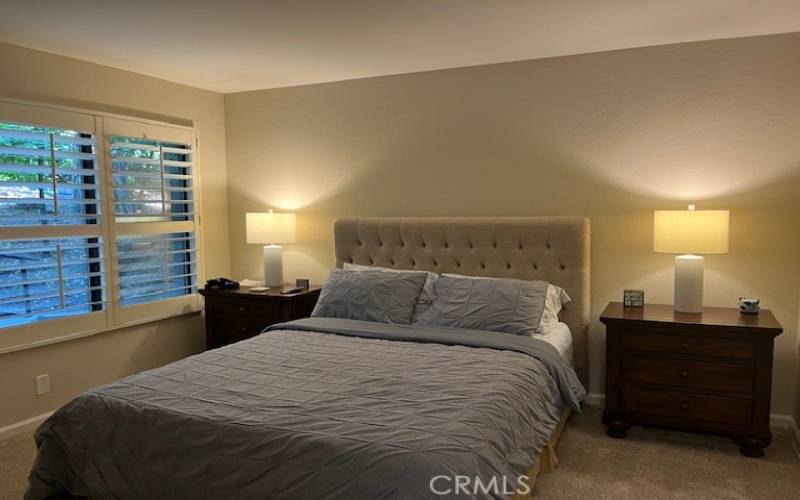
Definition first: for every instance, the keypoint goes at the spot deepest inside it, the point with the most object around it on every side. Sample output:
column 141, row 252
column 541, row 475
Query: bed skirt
column 547, row 460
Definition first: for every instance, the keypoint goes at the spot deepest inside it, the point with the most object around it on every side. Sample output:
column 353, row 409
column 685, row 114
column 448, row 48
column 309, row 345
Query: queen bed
column 335, row 407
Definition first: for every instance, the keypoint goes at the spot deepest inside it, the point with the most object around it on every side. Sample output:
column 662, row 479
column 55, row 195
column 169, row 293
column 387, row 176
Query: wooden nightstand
column 708, row 372
column 234, row 315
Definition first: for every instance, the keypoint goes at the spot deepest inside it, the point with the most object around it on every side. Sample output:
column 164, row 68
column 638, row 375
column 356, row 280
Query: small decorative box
column 633, row 298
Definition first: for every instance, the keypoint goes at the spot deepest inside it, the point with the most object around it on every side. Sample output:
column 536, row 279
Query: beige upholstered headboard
column 555, row 249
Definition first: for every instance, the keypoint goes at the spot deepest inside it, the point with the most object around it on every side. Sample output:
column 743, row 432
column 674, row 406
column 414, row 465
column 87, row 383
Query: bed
column 336, row 408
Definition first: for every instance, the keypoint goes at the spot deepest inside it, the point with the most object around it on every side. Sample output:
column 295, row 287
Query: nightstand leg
column 618, row 429
column 752, row 446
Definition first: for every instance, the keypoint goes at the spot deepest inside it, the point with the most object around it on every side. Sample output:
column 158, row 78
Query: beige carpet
column 16, row 457
column 650, row 464
column 654, row 464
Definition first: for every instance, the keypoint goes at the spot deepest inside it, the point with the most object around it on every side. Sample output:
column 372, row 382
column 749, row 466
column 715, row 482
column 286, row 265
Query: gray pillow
column 494, row 304
column 369, row 296
column 425, row 298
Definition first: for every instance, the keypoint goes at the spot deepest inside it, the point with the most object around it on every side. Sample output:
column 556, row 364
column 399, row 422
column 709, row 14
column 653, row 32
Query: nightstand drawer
column 232, row 328
column 243, row 306
column 688, row 374
column 687, row 344
column 690, row 406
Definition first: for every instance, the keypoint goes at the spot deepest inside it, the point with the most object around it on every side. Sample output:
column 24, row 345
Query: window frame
column 114, row 315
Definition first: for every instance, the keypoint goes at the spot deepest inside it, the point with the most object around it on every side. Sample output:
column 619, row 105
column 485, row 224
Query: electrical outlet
column 42, row 384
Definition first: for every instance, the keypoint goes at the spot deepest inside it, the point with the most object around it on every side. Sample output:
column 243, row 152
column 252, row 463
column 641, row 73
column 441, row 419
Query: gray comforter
column 317, row 408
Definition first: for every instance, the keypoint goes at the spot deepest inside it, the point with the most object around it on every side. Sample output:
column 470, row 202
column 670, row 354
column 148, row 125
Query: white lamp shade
column 691, row 231
column 270, row 228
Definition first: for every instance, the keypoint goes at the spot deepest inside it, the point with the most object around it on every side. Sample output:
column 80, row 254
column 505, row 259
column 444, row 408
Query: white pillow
column 425, row 298
column 554, row 301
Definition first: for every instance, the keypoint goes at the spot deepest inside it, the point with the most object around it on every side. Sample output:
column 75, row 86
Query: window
column 156, row 267
column 47, row 176
column 49, row 278
column 97, row 223
column 154, row 215
column 152, row 180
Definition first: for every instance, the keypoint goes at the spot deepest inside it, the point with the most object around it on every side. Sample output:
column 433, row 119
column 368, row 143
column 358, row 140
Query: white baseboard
column 596, row 400
column 22, row 426
column 785, row 425
column 796, row 434
column 781, row 424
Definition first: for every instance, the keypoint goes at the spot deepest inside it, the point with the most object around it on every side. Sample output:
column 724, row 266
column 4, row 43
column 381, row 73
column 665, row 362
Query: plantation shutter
column 50, row 278
column 52, row 264
column 154, row 207
column 99, row 223
column 152, row 180
column 47, row 176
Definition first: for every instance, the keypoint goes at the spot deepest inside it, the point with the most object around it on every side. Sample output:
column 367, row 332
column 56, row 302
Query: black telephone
column 222, row 284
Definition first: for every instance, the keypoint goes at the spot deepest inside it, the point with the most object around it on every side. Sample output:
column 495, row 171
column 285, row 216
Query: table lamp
column 689, row 233
column 271, row 230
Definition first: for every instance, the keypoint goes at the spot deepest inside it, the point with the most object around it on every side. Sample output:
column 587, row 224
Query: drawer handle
column 242, row 309
column 243, row 329
column 684, row 345
column 684, row 405
column 684, row 374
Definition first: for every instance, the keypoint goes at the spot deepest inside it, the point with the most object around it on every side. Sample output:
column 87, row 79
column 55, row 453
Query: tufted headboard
column 554, row 249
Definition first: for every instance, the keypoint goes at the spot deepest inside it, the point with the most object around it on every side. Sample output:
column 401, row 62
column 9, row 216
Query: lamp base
column 689, row 283
column 273, row 266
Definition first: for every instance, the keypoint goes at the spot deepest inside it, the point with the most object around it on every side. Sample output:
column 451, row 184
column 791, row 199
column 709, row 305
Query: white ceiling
column 238, row 45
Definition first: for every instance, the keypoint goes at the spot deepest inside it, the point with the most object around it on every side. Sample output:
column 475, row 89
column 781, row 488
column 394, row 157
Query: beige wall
column 611, row 136
column 78, row 365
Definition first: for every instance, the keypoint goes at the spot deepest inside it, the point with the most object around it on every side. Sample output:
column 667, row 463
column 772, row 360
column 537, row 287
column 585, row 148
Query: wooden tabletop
column 711, row 316
column 274, row 292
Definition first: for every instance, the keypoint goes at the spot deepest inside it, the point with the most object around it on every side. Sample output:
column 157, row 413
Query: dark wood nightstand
column 707, row 372
column 234, row 315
